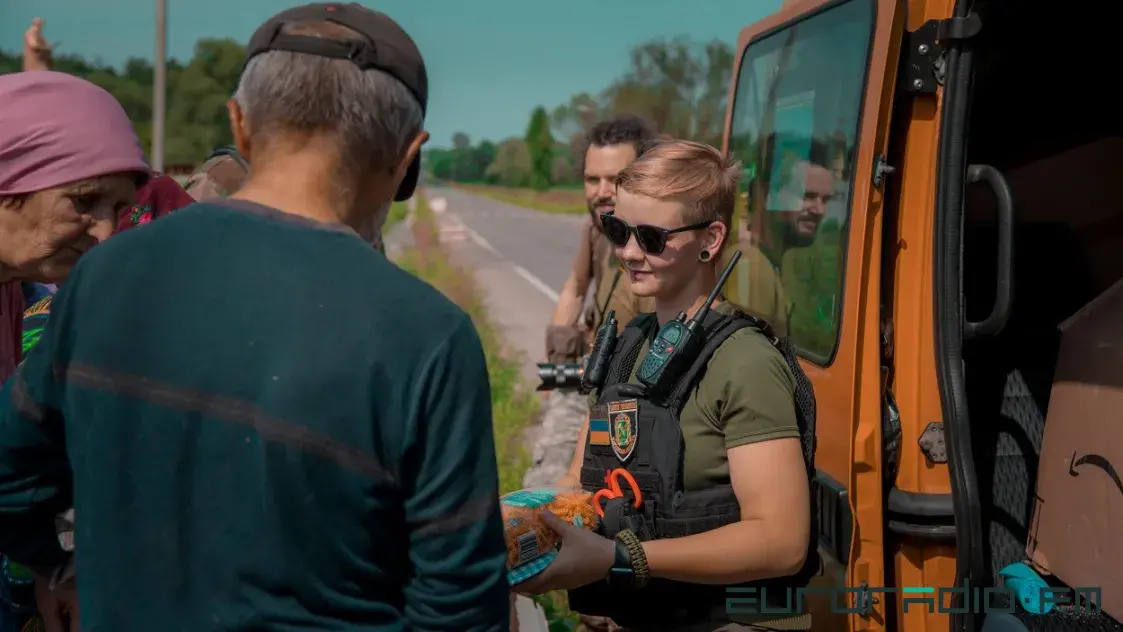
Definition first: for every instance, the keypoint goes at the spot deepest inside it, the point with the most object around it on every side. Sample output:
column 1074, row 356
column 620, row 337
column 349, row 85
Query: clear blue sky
column 490, row 61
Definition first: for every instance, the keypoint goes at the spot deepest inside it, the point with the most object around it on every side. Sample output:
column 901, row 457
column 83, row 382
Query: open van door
column 808, row 118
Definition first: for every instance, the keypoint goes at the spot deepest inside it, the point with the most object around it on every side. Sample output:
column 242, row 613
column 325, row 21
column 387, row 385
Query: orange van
column 928, row 192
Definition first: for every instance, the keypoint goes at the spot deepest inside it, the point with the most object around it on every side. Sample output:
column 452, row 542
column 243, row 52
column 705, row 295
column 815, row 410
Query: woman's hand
column 585, row 557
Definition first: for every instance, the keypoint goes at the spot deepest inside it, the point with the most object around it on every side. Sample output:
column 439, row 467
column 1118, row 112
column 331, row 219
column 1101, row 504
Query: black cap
column 387, row 48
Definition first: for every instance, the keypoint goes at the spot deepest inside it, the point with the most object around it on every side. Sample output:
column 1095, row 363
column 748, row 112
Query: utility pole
column 159, row 85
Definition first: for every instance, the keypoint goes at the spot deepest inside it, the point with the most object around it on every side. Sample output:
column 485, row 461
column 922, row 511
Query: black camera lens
column 559, row 376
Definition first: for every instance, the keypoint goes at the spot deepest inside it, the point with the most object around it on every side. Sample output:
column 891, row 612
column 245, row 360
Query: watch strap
column 622, row 573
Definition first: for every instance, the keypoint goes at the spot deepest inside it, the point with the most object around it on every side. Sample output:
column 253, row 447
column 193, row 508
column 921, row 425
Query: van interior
column 1041, row 115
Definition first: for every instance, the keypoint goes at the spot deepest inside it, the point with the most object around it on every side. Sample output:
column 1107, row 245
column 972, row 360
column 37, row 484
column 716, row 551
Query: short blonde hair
column 693, row 173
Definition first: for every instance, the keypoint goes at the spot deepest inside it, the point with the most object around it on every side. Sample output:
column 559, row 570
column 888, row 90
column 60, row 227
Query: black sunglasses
column 652, row 239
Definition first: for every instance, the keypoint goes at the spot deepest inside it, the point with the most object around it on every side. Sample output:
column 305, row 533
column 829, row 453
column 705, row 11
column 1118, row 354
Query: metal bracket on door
column 923, row 67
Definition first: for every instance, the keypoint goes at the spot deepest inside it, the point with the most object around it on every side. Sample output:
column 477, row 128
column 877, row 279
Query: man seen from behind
column 275, row 428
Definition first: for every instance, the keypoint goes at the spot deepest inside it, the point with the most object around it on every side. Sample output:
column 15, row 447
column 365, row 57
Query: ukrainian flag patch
column 598, row 432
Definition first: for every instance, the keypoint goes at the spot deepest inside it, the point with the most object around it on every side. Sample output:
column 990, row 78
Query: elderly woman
column 161, row 195
column 70, row 165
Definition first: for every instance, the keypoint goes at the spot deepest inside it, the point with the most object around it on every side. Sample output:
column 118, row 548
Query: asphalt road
column 542, row 244
column 520, row 257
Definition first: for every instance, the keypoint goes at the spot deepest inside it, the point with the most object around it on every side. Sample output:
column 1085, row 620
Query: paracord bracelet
column 638, row 557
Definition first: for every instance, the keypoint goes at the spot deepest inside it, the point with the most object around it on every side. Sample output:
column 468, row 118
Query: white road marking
column 481, row 242
column 438, row 205
column 538, row 284
column 456, row 235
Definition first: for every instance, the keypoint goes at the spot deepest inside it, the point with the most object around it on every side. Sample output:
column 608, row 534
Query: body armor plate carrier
column 644, row 438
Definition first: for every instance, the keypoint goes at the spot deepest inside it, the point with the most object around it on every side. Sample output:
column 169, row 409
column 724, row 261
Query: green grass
column 561, row 200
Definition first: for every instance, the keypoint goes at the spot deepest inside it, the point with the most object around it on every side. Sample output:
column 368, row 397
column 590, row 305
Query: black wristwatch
column 622, row 572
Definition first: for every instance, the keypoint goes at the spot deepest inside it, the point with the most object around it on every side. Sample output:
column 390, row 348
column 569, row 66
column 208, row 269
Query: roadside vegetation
column 514, row 404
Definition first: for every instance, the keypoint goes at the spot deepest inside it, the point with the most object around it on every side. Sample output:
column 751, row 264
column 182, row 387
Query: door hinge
column 881, row 169
column 924, row 63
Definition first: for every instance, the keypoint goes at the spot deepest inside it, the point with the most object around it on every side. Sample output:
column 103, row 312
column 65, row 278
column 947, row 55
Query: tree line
column 680, row 86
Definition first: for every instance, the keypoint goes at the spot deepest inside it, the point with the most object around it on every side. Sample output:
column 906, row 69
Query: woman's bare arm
column 770, row 481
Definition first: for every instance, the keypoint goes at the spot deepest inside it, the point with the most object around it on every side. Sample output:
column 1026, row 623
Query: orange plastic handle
column 604, row 493
column 614, row 491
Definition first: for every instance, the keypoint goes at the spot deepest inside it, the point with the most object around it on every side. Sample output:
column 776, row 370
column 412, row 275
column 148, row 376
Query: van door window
column 795, row 124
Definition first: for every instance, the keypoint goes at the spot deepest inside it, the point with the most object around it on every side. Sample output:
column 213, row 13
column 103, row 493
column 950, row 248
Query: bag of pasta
column 531, row 544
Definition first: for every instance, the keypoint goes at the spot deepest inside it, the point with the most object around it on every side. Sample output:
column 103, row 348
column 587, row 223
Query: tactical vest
column 644, row 438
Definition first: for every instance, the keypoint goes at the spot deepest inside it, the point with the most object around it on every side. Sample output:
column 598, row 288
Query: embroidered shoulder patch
column 624, row 427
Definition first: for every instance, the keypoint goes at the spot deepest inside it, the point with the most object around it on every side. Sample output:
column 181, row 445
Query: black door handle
column 1004, row 290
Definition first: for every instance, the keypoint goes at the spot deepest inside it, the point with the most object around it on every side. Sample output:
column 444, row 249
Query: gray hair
column 371, row 114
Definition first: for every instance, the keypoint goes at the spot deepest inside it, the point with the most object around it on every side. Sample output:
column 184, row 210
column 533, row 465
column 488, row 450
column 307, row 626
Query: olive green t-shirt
column 747, row 395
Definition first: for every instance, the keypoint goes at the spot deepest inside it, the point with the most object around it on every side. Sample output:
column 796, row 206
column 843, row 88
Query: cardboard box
column 1077, row 528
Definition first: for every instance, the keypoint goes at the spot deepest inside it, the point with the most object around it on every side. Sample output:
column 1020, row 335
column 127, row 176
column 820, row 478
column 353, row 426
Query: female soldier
column 738, row 421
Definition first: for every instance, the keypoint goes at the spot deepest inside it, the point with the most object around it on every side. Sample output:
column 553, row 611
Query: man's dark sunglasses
column 652, row 239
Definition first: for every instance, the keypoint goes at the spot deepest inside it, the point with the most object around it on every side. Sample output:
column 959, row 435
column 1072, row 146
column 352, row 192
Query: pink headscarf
column 56, row 128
